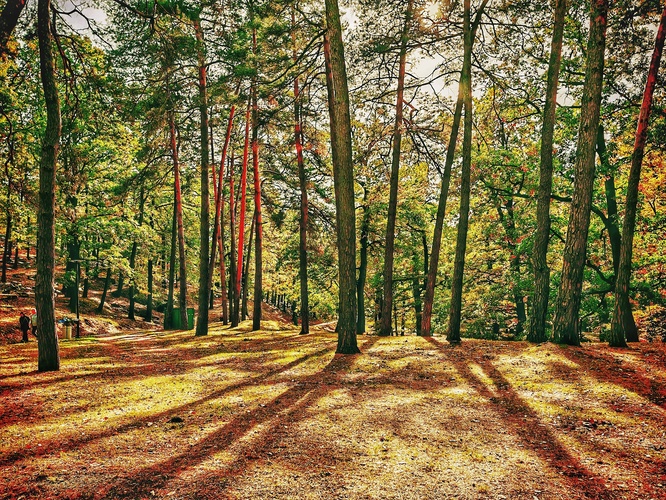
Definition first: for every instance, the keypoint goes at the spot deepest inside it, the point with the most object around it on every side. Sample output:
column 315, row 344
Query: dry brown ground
column 271, row 414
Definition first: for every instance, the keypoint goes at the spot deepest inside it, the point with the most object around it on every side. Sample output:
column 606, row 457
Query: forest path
column 273, row 414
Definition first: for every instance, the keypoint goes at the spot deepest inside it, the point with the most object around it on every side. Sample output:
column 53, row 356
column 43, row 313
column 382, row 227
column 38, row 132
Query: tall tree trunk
column 8, row 20
column 611, row 223
column 302, row 182
column 48, row 352
column 343, row 177
column 182, row 295
column 622, row 307
column 246, row 268
column 219, row 223
column 363, row 263
column 232, row 247
column 389, row 248
column 431, row 279
column 453, row 335
column 537, row 326
column 418, row 286
column 149, row 303
column 241, row 220
column 566, row 323
column 168, row 311
column 205, row 269
column 132, row 262
column 7, row 250
column 121, row 281
column 107, row 285
column 258, row 227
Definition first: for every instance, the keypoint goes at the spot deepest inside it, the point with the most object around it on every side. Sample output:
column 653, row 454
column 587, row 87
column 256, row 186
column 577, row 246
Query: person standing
column 33, row 321
column 24, row 322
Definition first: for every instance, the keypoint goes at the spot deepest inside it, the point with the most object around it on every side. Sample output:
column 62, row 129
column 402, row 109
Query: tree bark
column 343, row 178
column 48, row 351
column 620, row 311
column 205, row 270
column 302, row 182
column 107, row 284
column 363, row 263
column 149, row 304
column 241, row 221
column 182, row 295
column 258, row 226
column 246, row 268
column 566, row 323
column 389, row 248
column 8, row 20
column 219, row 224
column 168, row 312
column 232, row 248
column 431, row 279
column 453, row 334
column 537, row 326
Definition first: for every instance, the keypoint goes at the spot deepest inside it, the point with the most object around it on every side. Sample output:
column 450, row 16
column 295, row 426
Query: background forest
column 161, row 98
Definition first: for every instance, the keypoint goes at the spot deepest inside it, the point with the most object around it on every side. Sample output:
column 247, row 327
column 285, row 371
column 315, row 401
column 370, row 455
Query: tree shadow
column 289, row 405
column 524, row 423
column 55, row 446
column 608, row 368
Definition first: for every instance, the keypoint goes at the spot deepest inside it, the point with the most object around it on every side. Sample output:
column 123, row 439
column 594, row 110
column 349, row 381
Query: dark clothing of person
column 24, row 322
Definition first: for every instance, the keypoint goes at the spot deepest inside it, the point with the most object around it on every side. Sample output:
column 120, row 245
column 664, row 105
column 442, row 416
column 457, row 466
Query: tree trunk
column 246, row 269
column 182, row 296
column 453, row 335
column 363, row 264
column 219, row 223
column 258, row 227
column 611, row 223
column 389, row 248
column 537, row 326
column 48, row 352
column 343, row 177
column 8, row 20
column 204, row 268
column 232, row 247
column 107, row 285
column 431, row 279
column 168, row 311
column 622, row 307
column 7, row 249
column 241, row 221
column 302, row 182
column 566, row 323
column 132, row 261
column 149, row 303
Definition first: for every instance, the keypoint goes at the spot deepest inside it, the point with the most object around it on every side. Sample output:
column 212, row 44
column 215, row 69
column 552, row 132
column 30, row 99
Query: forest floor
column 136, row 412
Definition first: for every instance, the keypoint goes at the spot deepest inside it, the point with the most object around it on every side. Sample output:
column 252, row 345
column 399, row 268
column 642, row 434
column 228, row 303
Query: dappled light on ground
column 273, row 414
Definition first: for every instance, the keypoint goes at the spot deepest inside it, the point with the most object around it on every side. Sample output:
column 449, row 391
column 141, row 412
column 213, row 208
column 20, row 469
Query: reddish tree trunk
column 182, row 296
column 622, row 306
column 241, row 219
column 258, row 238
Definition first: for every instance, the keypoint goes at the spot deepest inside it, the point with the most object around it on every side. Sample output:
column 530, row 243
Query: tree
column 387, row 303
column 48, row 357
column 537, row 325
column 566, row 322
column 8, row 20
column 343, row 178
column 431, row 278
column 453, row 333
column 204, row 268
column 622, row 307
